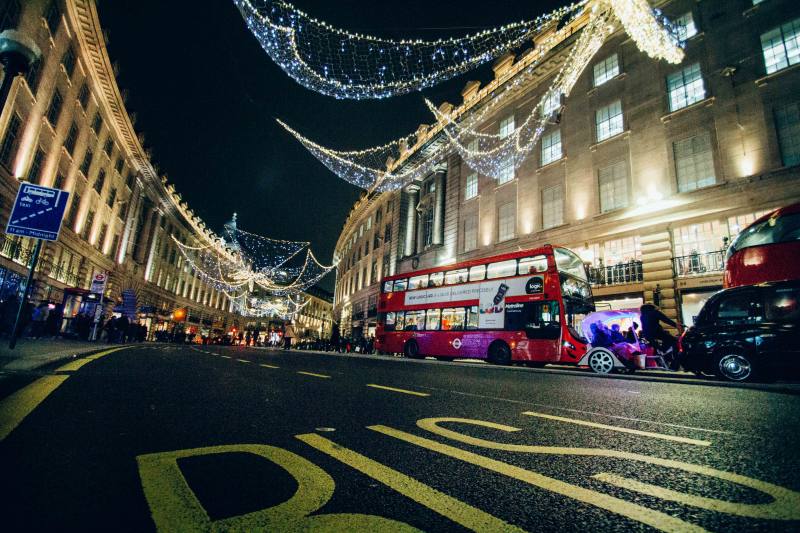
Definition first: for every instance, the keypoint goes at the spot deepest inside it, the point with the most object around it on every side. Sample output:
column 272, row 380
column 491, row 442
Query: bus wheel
column 411, row 350
column 499, row 353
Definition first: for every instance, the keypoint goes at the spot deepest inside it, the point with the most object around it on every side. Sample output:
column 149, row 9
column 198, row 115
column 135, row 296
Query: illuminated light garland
column 349, row 65
column 495, row 154
column 285, row 308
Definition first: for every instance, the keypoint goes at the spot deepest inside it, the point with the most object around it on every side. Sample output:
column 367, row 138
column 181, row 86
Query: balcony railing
column 698, row 264
column 619, row 274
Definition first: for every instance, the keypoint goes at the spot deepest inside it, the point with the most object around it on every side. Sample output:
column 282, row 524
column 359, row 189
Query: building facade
column 647, row 170
column 65, row 125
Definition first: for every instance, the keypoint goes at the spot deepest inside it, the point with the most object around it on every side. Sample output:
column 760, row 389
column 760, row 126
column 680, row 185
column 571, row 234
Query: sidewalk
column 30, row 354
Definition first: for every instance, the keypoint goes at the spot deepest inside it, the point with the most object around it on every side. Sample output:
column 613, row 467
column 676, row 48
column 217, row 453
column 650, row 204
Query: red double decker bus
column 523, row 307
column 767, row 250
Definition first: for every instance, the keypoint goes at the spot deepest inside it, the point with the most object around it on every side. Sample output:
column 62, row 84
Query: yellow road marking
column 651, row 517
column 268, row 366
column 243, row 360
column 312, row 374
column 662, row 436
column 16, row 407
column 404, row 391
column 447, row 506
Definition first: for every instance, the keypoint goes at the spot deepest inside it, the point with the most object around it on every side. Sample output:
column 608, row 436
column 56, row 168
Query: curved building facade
column 647, row 170
column 65, row 125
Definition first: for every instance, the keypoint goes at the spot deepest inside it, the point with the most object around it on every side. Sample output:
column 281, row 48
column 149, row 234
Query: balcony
column 619, row 274
column 13, row 249
column 699, row 264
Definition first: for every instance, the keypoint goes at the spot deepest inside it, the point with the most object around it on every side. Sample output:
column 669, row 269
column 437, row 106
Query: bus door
column 541, row 322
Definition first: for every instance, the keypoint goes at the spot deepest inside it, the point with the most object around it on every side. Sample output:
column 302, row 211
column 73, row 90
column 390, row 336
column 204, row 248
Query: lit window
column 694, row 162
column 781, row 46
column 506, row 172
column 685, row 87
column 609, row 121
column 470, row 233
column 471, row 189
column 606, row 69
column 8, row 147
column 787, row 123
column 506, row 222
column 613, row 182
column 685, row 26
column 507, row 127
column 552, row 207
column 552, row 102
column 551, row 147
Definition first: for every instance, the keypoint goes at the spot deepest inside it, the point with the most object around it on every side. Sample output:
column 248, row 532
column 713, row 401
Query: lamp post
column 17, row 54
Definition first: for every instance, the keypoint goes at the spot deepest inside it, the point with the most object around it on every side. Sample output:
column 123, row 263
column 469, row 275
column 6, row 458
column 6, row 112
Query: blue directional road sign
column 37, row 212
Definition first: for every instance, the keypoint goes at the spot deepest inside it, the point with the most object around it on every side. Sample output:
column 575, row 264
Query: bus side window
column 433, row 319
column 387, row 286
column 388, row 324
column 477, row 273
column 454, row 277
column 437, row 279
column 532, row 265
column 453, row 319
column 418, row 282
column 472, row 317
column 399, row 285
column 502, row 269
column 400, row 321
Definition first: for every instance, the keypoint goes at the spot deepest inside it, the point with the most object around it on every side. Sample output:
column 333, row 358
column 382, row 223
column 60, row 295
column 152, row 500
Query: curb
column 59, row 358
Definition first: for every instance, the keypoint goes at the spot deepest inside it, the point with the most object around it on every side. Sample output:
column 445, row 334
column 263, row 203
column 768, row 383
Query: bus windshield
column 569, row 262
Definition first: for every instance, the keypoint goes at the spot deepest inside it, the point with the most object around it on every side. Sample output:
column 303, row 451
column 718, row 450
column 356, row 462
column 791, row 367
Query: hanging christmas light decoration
column 343, row 64
column 389, row 166
column 285, row 308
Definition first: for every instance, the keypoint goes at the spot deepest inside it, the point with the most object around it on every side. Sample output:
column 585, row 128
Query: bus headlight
column 569, row 345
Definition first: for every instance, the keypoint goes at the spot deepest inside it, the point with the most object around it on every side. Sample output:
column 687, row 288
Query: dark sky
column 206, row 96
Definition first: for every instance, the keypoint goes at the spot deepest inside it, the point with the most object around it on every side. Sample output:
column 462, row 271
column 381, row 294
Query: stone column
column 412, row 194
column 131, row 219
column 153, row 242
column 438, row 208
column 143, row 239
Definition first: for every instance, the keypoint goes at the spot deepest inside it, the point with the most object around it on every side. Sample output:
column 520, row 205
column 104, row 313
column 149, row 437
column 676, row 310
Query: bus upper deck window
column 502, row 269
column 436, row 280
column 399, row 285
column 477, row 273
column 532, row 265
column 456, row 276
column 418, row 282
column 387, row 286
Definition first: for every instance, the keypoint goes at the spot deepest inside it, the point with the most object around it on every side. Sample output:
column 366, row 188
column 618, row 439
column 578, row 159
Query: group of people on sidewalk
column 37, row 321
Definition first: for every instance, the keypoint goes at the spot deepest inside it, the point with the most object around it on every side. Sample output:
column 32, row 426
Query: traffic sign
column 37, row 212
column 99, row 283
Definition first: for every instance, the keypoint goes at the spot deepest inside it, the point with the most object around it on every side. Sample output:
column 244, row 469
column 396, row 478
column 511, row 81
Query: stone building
column 65, row 125
column 647, row 169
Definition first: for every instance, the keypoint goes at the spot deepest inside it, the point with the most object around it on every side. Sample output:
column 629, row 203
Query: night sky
column 206, row 95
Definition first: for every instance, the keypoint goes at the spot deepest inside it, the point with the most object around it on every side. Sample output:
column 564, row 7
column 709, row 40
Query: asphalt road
column 210, row 438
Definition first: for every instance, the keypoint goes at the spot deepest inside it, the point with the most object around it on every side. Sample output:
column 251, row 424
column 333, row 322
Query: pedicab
column 604, row 356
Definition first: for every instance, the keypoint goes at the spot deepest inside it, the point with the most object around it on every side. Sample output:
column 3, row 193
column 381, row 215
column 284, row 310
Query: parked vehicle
column 746, row 333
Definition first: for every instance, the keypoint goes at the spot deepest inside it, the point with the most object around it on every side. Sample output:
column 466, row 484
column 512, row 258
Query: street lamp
column 17, row 53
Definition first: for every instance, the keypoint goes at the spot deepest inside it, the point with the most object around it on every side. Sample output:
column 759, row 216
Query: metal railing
column 619, row 274
column 698, row 264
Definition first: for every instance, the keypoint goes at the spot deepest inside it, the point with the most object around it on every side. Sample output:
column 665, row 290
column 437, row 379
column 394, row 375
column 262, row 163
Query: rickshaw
column 634, row 353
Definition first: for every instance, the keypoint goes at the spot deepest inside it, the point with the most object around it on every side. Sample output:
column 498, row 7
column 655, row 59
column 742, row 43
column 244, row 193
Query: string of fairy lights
column 388, row 167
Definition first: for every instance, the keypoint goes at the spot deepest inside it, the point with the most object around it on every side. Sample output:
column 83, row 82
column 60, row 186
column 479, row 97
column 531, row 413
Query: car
column 746, row 333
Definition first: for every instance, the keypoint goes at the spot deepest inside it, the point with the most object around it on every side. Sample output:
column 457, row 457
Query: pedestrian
column 288, row 335
column 39, row 319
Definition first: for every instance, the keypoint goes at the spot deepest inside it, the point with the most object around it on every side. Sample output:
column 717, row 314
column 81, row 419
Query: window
column 112, row 196
column 59, row 182
column 97, row 123
column 68, row 60
column 87, row 225
column 101, row 178
column 72, row 137
column 369, row 221
column 782, row 304
column 606, row 69
column 552, row 207
column 87, row 161
column 455, row 276
column 83, row 96
column 502, row 269
column 109, row 146
column 698, row 238
column 470, row 233
column 506, row 127
column 415, row 320
column 787, row 124
column 73, row 210
column 453, row 319
column 477, row 273
column 433, row 319
column 10, row 141
column 472, row 317
column 551, row 147
column 361, row 231
column 685, row 26
column 418, row 282
column 427, row 227
column 54, row 111
column 35, row 172
column 389, row 321
column 387, row 232
column 685, row 87
column 736, row 309
column 532, row 265
column 613, row 187
column 694, row 162
column 9, row 15
column 33, row 75
column 622, row 250
column 552, row 102
column 52, row 16
column 506, row 172
column 781, row 46
column 608, row 121
column 506, row 222
column 101, row 236
column 471, row 189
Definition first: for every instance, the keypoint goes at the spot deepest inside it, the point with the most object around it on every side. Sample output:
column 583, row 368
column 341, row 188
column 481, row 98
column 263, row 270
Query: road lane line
column 243, row 360
column 225, row 356
column 78, row 363
column 684, row 440
column 651, row 517
column 404, row 391
column 313, row 374
column 268, row 366
column 17, row 406
column 447, row 506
